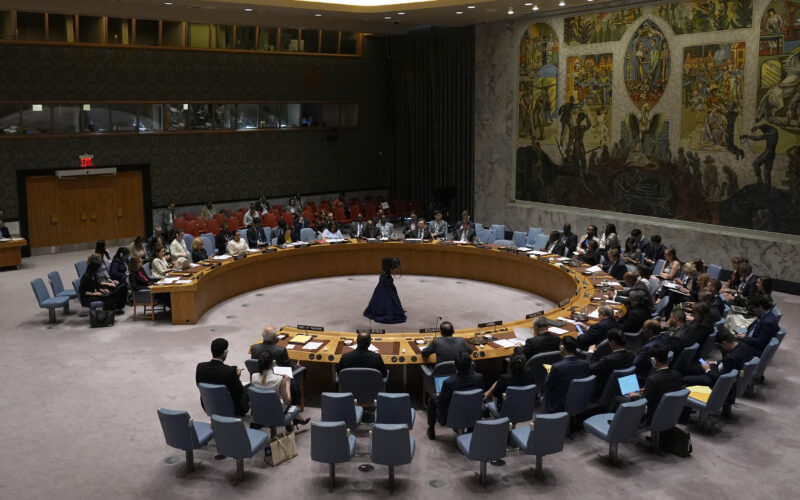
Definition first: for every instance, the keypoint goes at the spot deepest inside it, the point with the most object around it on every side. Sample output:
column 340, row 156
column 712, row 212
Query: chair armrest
column 298, row 370
column 426, row 370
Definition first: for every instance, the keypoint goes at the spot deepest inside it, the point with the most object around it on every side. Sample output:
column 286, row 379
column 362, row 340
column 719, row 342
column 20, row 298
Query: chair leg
column 483, row 474
column 331, row 475
column 240, row 469
column 391, row 477
column 66, row 308
column 189, row 461
column 52, row 313
column 655, row 444
column 539, row 472
column 612, row 453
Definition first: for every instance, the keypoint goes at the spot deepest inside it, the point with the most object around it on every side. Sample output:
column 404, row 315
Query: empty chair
column 746, row 376
column 539, row 241
column 717, row 398
column 183, row 433
column 619, row 427
column 545, row 436
column 235, row 440
column 579, row 397
column 530, row 238
column 659, row 265
column 58, row 286
column 307, row 234
column 464, row 410
column 487, row 442
column 209, row 245
column 430, row 374
column 266, row 409
column 504, row 243
column 519, row 238
column 487, row 236
column 766, row 358
column 499, row 231
column 708, row 345
column 611, row 388
column 685, row 357
column 394, row 408
column 212, row 225
column 391, row 444
column 518, row 403
column 667, row 413
column 332, row 443
column 364, row 383
column 47, row 302
column 713, row 270
column 338, row 406
column 216, row 399
column 80, row 268
column 267, row 233
column 188, row 238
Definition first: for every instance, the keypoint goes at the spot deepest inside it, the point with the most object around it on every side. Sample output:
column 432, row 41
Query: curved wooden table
column 11, row 252
column 571, row 288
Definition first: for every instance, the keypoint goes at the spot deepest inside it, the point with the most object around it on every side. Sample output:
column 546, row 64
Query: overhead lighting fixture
column 528, row 4
column 458, row 12
column 186, row 107
column 369, row 3
column 36, row 107
column 401, row 13
column 87, row 107
column 388, row 17
column 510, row 11
column 562, row 3
column 318, row 15
column 535, row 7
column 167, row 3
column 470, row 6
column 248, row 9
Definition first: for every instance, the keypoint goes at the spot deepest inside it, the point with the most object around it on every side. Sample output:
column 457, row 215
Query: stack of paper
column 183, row 282
column 300, row 339
column 557, row 330
column 312, row 346
column 594, row 269
column 283, row 370
column 221, row 257
column 538, row 252
column 595, row 314
column 508, row 342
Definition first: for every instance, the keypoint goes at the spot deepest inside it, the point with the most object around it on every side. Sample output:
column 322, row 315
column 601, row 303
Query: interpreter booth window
column 200, row 116
column 290, row 40
column 271, row 115
column 61, row 28
column 199, row 36
column 309, row 40
column 293, row 115
column 10, row 119
column 222, row 36
column 224, row 116
column 349, row 115
column 94, row 118
column 175, row 116
column 267, row 39
column 151, row 118
column 349, row 43
column 172, row 33
column 36, row 118
column 247, row 118
column 245, row 37
column 90, row 29
column 119, row 31
column 146, row 32
column 123, row 118
column 6, row 25
column 66, row 118
column 330, row 42
column 30, row 25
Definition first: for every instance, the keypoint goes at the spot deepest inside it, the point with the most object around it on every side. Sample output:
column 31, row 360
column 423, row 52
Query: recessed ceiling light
column 535, row 7
column 167, row 3
column 562, row 3
column 528, row 4
column 470, row 6
column 248, row 9
column 317, row 15
column 388, row 17
column 458, row 12
column 510, row 11
column 401, row 13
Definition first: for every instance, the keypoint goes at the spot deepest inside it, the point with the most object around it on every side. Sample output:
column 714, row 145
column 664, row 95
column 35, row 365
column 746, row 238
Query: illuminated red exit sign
column 86, row 161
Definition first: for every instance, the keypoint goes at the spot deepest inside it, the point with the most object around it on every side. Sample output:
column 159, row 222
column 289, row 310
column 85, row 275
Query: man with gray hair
column 270, row 344
column 599, row 331
column 542, row 340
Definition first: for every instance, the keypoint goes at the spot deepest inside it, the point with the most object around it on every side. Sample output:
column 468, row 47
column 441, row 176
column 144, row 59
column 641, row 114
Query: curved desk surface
column 573, row 289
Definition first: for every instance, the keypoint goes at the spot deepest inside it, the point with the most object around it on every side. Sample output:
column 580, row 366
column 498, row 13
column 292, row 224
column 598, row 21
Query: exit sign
column 86, row 161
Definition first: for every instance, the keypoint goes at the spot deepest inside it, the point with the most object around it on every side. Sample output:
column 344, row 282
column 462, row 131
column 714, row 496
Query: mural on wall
column 584, row 119
column 713, row 82
column 647, row 65
column 779, row 71
column 700, row 16
column 599, row 27
column 538, row 79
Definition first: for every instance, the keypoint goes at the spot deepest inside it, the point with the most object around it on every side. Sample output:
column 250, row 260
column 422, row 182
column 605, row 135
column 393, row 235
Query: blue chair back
column 662, row 304
column 307, row 234
column 487, row 236
column 549, row 431
column 626, row 421
column 519, row 238
column 658, row 266
column 80, row 267
column 444, row 369
column 76, row 284
column 780, row 334
column 685, row 357
column 489, row 439
column 504, row 243
column 268, row 233
column 329, row 442
column 338, row 406
column 364, row 383
column 579, row 395
column 391, row 444
column 778, row 313
column 708, row 345
column 178, row 429
column 478, row 229
column 231, row 437
column 519, row 403
column 746, row 375
column 187, row 240
column 499, row 231
column 612, row 386
column 465, row 409
column 539, row 241
column 55, row 282
column 669, row 410
column 766, row 356
column 147, row 268
column 394, row 408
column 208, row 245
column 536, row 365
column 216, row 399
column 265, row 406
column 719, row 393
column 40, row 291
column 251, row 365
column 530, row 238
column 714, row 271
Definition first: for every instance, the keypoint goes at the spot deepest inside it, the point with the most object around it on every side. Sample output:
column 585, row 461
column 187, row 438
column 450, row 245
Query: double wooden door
column 84, row 209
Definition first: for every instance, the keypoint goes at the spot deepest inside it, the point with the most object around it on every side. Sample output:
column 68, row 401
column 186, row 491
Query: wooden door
column 43, row 212
column 128, row 204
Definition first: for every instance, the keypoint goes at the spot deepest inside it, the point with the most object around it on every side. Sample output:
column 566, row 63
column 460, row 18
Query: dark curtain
column 431, row 80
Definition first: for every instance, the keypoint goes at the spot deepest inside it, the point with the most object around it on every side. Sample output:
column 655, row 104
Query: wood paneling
column 84, row 209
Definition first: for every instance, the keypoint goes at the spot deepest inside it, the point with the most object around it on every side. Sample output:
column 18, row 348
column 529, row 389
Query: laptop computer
column 439, row 381
column 628, row 384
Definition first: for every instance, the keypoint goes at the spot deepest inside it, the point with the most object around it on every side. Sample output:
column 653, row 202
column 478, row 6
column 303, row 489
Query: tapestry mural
column 716, row 142
column 538, row 76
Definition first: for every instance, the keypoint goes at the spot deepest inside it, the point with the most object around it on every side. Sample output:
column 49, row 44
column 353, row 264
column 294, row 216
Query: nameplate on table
column 490, row 323
column 370, row 330
column 311, row 328
column 412, row 240
column 563, row 302
column 533, row 315
column 429, row 330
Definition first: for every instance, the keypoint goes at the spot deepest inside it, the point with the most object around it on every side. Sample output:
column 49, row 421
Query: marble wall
column 496, row 117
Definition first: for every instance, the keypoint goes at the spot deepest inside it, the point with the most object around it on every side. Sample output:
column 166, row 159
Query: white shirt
column 235, row 248
column 177, row 249
column 326, row 234
column 248, row 219
column 272, row 383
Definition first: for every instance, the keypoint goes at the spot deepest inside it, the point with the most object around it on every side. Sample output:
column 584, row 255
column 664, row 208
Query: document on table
column 194, row 265
column 567, row 320
column 524, row 249
column 371, row 348
column 289, row 346
column 312, row 346
column 536, row 253
column 595, row 314
column 507, row 342
column 594, row 269
column 183, row 282
column 221, row 257
column 523, row 333
column 557, row 330
column 300, row 339
column 167, row 281
column 253, row 250
column 282, row 370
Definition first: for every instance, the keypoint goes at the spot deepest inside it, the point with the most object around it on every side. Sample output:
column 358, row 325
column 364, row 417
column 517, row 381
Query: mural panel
column 713, row 79
column 700, row 16
column 599, row 27
column 538, row 77
column 584, row 120
column 647, row 65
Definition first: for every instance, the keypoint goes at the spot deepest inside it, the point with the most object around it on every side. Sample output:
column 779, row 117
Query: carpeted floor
column 79, row 420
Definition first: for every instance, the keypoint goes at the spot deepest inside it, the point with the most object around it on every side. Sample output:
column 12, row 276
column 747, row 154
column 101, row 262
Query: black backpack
column 676, row 441
column 99, row 318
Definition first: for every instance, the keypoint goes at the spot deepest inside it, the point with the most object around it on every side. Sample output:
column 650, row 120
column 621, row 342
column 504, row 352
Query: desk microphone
column 436, row 324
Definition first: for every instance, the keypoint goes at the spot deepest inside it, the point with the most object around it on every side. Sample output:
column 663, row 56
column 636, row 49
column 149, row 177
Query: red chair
column 179, row 223
column 234, row 223
column 278, row 207
column 202, row 224
column 308, row 214
column 339, row 215
column 312, row 205
column 355, row 209
column 400, row 208
column 212, row 226
column 191, row 228
column 188, row 216
column 269, row 220
column 370, row 211
column 220, row 219
column 289, row 218
column 275, row 212
column 325, row 205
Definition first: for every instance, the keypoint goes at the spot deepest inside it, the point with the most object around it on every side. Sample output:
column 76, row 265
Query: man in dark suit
column 421, row 232
column 637, row 313
column 223, row 237
column 760, row 331
column 255, row 235
column 465, row 232
column 542, row 340
column 371, row 230
column 446, row 347
column 464, row 380
column 217, row 372
column 599, row 331
column 680, row 335
column 651, row 338
column 638, row 281
column 615, row 267
column 357, row 227
column 642, row 242
column 655, row 250
column 661, row 381
column 269, row 344
column 568, row 242
column 618, row 358
column 562, row 373
column 4, row 230
column 362, row 357
column 410, row 225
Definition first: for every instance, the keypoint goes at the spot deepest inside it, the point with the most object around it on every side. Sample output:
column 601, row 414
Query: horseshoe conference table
column 574, row 289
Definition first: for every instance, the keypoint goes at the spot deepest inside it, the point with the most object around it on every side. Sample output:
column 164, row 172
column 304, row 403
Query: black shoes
column 431, row 433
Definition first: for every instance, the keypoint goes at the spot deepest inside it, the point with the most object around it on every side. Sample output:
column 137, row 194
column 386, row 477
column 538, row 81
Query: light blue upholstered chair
column 540, row 241
column 685, row 357
column 487, row 236
column 766, row 358
column 714, row 271
column 667, row 414
column 80, row 268
column 536, row 365
column 662, row 304
column 530, row 240
column 363, row 383
column 391, row 445
column 579, row 398
column 519, row 238
column 780, row 334
column 235, row 440
column 464, row 410
column 611, row 388
column 716, row 400
column 659, row 265
column 216, row 400
column 188, row 239
column 307, row 234
column 545, row 436
column 619, row 427
column 47, row 302
column 431, row 373
column 209, row 245
column 633, row 340
column 181, row 432
column 338, row 406
column 251, row 365
column 486, row 442
column 499, row 231
column 394, row 408
column 708, row 345
column 504, row 243
column 58, row 286
column 518, row 403
column 266, row 409
column 746, row 376
column 332, row 443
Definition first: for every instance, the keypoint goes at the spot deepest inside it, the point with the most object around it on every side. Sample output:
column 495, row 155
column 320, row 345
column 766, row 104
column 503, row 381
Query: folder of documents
column 699, row 392
column 300, row 339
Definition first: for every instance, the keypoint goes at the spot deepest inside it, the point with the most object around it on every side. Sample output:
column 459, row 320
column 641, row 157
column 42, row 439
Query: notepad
column 312, row 346
column 221, row 257
column 506, row 343
column 557, row 330
column 546, row 367
column 183, row 282
column 594, row 269
column 439, row 382
column 595, row 314
column 699, row 392
column 289, row 346
column 283, row 370
column 300, row 339
column 628, row 384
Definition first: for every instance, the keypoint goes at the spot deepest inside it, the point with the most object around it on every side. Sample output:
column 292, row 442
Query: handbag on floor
column 99, row 318
column 283, row 447
column 676, row 441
